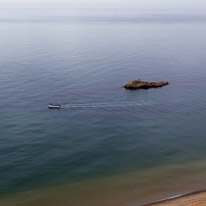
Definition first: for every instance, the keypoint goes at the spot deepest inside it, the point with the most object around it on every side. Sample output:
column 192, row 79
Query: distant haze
column 105, row 4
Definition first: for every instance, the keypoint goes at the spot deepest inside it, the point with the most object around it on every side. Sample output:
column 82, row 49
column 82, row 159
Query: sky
column 105, row 4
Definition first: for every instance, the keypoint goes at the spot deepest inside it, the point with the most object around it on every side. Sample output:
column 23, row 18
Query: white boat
column 54, row 106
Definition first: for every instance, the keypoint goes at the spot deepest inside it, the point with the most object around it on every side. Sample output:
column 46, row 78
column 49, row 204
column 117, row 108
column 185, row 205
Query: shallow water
column 82, row 59
column 127, row 189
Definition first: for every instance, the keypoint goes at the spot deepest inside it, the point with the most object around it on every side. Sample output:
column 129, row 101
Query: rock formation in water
column 138, row 84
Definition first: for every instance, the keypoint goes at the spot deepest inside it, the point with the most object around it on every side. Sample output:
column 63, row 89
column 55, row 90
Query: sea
column 106, row 146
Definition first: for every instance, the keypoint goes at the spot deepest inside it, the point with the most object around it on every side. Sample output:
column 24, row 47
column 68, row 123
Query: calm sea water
column 82, row 58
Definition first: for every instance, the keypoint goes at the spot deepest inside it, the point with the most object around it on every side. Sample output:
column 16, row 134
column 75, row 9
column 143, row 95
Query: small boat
column 54, row 106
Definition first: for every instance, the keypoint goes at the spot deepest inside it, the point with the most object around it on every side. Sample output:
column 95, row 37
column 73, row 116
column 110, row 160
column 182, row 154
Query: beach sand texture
column 194, row 199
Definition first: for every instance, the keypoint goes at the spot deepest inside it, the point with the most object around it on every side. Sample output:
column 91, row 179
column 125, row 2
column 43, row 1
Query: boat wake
column 103, row 105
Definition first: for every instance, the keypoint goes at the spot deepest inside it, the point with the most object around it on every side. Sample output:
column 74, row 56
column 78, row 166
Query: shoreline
column 173, row 185
column 196, row 198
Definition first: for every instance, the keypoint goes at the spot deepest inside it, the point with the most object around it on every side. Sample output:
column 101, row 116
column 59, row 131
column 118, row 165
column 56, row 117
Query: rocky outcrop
column 138, row 84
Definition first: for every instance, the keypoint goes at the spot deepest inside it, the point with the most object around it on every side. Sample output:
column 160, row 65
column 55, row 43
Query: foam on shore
column 197, row 198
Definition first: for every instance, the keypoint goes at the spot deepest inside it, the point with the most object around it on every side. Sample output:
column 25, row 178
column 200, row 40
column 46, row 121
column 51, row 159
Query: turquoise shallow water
column 82, row 59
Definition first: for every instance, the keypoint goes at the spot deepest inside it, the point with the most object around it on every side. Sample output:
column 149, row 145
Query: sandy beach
column 193, row 199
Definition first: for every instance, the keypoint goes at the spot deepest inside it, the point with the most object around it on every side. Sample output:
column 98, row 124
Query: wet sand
column 192, row 199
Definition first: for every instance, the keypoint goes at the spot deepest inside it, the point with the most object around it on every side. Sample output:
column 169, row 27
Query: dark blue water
column 82, row 59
